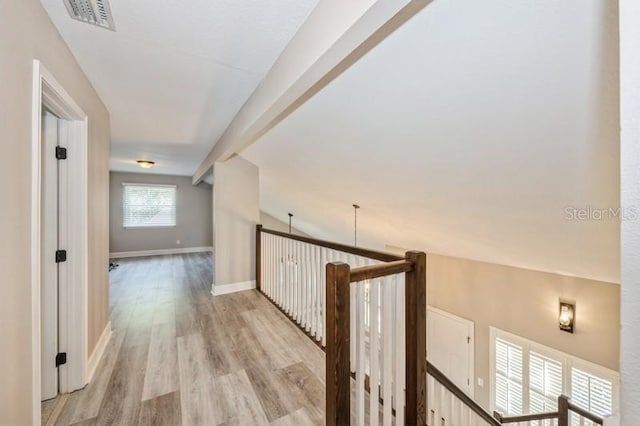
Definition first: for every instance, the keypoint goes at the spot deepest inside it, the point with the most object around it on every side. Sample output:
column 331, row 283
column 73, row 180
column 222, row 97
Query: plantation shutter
column 592, row 393
column 509, row 386
column 545, row 384
column 146, row 205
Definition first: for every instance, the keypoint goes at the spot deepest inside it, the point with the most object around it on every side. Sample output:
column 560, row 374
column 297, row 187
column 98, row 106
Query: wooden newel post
column 258, row 256
column 563, row 411
column 338, row 372
column 416, row 339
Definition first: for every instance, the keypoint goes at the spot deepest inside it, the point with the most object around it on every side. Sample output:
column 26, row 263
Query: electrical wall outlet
column 178, row 242
column 480, row 382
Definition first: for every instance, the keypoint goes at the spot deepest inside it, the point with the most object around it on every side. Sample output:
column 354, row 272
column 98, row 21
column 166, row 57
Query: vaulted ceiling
column 478, row 129
column 474, row 130
column 174, row 73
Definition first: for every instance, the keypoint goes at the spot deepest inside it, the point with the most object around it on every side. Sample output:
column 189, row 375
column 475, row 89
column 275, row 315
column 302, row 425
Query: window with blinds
column 545, row 384
column 147, row 205
column 508, row 377
column 593, row 393
column 528, row 378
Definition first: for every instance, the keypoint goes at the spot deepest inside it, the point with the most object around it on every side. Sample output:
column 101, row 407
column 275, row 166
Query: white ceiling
column 174, row 73
column 468, row 132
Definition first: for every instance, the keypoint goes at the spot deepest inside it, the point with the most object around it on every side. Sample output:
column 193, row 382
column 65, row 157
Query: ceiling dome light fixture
column 145, row 164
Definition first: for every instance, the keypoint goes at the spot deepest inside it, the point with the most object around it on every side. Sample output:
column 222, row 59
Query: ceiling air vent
column 96, row 12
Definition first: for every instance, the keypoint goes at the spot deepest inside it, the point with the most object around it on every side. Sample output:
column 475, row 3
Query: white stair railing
column 364, row 308
column 292, row 275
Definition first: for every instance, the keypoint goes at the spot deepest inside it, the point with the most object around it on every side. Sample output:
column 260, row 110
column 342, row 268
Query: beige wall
column 271, row 222
column 193, row 216
column 236, row 212
column 525, row 303
column 26, row 33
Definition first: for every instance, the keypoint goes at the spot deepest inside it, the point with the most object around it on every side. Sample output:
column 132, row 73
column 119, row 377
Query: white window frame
column 568, row 363
column 175, row 187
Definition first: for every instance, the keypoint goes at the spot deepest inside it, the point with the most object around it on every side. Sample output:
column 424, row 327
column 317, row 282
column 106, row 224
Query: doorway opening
column 59, row 276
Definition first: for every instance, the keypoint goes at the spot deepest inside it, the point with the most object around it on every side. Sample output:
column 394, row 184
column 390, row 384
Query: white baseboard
column 98, row 351
column 143, row 253
column 217, row 290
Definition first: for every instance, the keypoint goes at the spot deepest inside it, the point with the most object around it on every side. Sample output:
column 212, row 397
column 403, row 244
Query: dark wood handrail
column 376, row 271
column 459, row 393
column 564, row 406
column 371, row 254
column 584, row 413
column 524, row 418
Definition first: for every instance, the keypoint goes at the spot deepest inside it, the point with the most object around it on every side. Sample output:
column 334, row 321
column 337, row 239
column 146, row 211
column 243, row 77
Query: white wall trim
column 144, row 253
column 217, row 290
column 98, row 351
column 73, row 322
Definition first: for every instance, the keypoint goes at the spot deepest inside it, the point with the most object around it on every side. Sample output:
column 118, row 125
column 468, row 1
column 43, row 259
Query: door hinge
column 61, row 153
column 61, row 256
column 468, row 339
column 61, row 359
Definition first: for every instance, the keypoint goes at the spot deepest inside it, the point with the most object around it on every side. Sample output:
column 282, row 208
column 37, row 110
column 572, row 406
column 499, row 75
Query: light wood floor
column 179, row 356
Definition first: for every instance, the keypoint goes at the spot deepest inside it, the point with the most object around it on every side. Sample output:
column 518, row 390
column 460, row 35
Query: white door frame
column 472, row 343
column 73, row 316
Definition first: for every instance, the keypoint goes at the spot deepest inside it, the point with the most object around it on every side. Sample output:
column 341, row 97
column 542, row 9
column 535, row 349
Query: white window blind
column 508, row 380
column 529, row 378
column 545, row 384
column 594, row 394
column 147, row 205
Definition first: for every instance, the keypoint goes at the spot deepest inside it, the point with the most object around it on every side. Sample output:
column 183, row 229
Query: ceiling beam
column 336, row 35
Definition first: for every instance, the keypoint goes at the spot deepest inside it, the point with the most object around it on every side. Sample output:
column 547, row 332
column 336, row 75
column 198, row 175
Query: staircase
column 367, row 310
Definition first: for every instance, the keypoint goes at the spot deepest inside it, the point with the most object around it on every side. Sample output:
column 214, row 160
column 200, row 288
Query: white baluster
column 272, row 266
column 304, row 283
column 399, row 375
column 295, row 269
column 288, row 290
column 309, row 285
column 280, row 271
column 311, row 293
column 352, row 319
column 462, row 414
column 323, row 293
column 277, row 257
column 262, row 259
column 285, row 275
column 360, row 354
column 374, row 353
column 293, row 285
column 315, row 295
column 267, row 280
column 301, row 283
column 311, row 290
column 437, row 397
column 283, row 270
column 294, row 281
column 387, row 349
column 266, row 262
